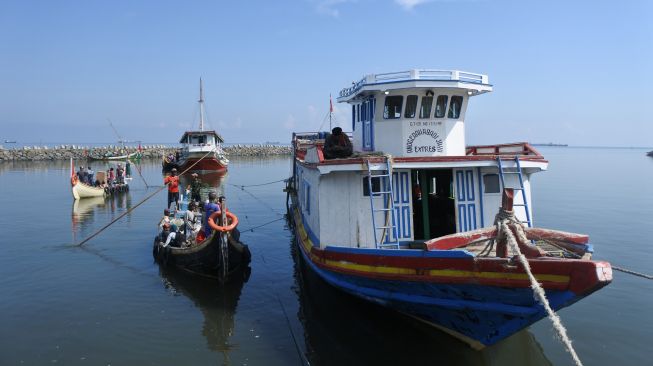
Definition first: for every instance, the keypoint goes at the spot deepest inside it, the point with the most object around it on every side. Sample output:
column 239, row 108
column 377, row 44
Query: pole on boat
column 201, row 101
column 224, row 252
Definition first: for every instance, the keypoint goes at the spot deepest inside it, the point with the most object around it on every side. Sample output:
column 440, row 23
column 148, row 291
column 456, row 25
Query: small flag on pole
column 330, row 104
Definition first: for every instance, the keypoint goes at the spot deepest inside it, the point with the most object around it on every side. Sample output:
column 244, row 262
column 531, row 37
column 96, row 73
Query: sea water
column 108, row 302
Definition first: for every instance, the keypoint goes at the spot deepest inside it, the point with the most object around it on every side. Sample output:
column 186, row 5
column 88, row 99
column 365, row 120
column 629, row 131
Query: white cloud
column 329, row 7
column 410, row 4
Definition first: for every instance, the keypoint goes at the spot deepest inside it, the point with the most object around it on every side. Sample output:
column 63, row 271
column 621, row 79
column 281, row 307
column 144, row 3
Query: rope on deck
column 140, row 203
column 502, row 226
column 624, row 270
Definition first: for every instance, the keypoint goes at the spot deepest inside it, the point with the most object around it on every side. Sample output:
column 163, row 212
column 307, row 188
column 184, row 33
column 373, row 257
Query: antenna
column 201, row 101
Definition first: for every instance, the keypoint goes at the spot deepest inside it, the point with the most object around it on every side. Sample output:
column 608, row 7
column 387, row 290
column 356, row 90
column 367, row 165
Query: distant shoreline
column 77, row 152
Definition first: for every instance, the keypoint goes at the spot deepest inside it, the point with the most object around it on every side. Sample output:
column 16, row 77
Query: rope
column 285, row 314
column 241, row 186
column 503, row 230
column 624, row 270
column 256, row 227
column 140, row 203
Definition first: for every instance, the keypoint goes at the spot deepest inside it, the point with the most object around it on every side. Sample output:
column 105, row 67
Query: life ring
column 230, row 217
column 74, row 180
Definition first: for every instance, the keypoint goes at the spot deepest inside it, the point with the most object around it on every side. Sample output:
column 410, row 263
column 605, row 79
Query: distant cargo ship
column 10, row 141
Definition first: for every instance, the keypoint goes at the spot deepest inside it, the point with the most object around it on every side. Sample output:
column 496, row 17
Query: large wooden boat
column 407, row 220
column 201, row 151
column 207, row 257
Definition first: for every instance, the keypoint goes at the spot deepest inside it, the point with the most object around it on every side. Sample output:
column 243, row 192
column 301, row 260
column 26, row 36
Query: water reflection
column 340, row 329
column 217, row 302
column 86, row 211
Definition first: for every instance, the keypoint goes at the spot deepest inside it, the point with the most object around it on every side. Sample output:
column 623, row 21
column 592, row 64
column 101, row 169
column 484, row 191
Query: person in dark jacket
column 337, row 145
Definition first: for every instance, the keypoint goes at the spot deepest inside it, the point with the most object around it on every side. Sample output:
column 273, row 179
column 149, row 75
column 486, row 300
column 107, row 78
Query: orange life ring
column 230, row 217
column 73, row 180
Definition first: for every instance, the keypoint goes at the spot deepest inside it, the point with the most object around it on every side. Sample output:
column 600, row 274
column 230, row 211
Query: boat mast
column 201, row 101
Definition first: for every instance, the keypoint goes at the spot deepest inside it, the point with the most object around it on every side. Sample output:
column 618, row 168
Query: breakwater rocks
column 64, row 152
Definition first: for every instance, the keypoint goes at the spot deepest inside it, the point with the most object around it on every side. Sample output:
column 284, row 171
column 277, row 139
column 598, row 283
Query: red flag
column 72, row 168
column 330, row 104
column 139, row 147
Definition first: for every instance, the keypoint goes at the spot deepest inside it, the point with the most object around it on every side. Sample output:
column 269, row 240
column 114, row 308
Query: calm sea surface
column 108, row 303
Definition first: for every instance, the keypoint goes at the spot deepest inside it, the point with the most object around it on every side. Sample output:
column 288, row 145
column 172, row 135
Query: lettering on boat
column 434, row 146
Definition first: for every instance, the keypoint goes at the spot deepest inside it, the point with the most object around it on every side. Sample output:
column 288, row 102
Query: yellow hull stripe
column 308, row 244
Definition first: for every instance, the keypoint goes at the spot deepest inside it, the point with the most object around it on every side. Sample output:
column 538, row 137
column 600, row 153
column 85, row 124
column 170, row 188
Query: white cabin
column 411, row 124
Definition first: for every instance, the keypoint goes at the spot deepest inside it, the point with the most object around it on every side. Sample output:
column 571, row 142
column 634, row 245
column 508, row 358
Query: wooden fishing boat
column 133, row 155
column 406, row 221
column 201, row 151
column 82, row 190
column 207, row 257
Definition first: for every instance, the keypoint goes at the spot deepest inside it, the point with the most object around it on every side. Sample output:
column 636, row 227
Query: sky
column 575, row 72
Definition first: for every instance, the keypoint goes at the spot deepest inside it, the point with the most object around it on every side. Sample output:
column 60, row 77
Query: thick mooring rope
column 624, row 270
column 504, row 230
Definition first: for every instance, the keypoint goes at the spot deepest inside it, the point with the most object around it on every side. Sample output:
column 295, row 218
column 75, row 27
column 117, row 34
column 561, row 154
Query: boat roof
column 473, row 83
column 209, row 132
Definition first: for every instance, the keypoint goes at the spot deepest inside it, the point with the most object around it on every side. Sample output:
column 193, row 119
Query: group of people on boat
column 104, row 179
column 186, row 228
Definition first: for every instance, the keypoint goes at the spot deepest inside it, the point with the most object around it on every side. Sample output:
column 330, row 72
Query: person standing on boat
column 128, row 169
column 195, row 186
column 192, row 221
column 110, row 176
column 120, row 174
column 173, row 188
column 81, row 174
column 209, row 208
column 337, row 145
column 89, row 176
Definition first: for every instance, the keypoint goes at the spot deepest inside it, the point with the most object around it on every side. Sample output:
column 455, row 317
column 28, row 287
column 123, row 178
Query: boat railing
column 517, row 148
column 311, row 138
column 416, row 74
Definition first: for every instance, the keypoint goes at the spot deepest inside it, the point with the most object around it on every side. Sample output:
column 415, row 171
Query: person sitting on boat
column 169, row 236
column 210, row 207
column 173, row 188
column 192, row 221
column 195, row 186
column 168, row 218
column 120, row 174
column 337, row 145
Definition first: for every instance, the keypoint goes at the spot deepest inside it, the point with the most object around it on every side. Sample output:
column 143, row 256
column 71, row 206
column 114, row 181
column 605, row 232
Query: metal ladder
column 503, row 171
column 386, row 191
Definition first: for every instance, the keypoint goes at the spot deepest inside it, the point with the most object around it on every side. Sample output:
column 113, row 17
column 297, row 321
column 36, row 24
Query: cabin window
column 392, row 108
column 411, row 106
column 455, row 106
column 441, row 106
column 491, row 183
column 376, row 185
column 425, row 108
column 353, row 118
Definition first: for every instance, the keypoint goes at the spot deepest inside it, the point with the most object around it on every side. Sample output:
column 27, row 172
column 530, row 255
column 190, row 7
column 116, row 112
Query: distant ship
column 10, row 141
column 550, row 144
column 650, row 153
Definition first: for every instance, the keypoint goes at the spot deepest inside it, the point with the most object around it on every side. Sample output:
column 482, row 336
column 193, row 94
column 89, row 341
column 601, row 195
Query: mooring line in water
column 256, row 227
column 624, row 270
column 140, row 203
column 502, row 224
column 285, row 314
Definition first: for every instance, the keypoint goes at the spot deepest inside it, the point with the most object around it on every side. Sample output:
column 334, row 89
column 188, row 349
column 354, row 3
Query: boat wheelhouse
column 407, row 220
column 201, row 150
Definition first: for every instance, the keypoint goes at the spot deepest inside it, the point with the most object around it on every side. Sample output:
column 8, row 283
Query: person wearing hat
column 337, row 145
column 195, row 186
column 172, row 181
column 209, row 208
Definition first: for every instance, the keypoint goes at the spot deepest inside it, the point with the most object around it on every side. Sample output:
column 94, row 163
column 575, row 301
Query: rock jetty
column 65, row 152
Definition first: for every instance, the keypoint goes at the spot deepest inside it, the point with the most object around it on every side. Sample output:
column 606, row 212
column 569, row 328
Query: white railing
column 416, row 74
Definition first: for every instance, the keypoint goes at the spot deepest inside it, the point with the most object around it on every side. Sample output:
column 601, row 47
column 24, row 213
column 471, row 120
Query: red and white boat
column 201, row 150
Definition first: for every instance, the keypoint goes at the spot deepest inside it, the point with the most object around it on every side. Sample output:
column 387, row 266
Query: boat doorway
column 434, row 209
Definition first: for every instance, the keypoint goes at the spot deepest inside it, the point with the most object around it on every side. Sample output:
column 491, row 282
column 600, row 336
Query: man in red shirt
column 173, row 188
